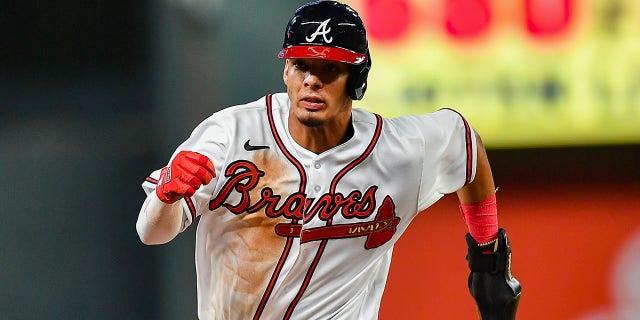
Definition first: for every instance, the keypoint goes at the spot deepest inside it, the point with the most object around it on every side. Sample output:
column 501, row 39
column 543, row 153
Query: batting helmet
column 334, row 31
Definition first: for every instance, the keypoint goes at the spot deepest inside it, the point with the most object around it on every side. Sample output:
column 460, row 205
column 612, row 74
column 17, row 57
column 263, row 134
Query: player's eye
column 300, row 64
column 333, row 68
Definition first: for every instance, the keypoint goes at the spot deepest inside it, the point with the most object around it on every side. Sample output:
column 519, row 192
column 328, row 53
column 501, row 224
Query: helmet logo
column 317, row 54
column 323, row 30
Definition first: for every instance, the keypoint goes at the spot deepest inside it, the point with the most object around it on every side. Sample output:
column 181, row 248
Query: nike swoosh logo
column 250, row 147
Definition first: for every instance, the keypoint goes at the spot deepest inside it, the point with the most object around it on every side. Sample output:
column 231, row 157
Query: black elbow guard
column 491, row 283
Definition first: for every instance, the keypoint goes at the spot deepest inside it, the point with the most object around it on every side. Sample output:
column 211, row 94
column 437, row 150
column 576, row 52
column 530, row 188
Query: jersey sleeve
column 209, row 138
column 451, row 155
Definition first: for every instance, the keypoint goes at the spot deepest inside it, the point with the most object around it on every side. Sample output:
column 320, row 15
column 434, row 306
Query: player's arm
column 158, row 222
column 160, row 218
column 482, row 186
column 491, row 284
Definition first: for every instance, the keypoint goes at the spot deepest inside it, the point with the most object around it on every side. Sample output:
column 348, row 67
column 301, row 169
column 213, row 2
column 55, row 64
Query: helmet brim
column 323, row 52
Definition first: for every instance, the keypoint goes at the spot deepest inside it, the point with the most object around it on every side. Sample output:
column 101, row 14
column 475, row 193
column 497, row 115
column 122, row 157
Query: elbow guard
column 491, row 283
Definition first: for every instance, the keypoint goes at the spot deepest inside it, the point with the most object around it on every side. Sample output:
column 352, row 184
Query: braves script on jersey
column 287, row 233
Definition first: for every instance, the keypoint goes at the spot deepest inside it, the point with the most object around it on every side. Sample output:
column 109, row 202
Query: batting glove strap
column 163, row 195
column 495, row 290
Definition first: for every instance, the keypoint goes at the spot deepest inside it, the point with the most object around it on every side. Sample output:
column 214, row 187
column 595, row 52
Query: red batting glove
column 187, row 172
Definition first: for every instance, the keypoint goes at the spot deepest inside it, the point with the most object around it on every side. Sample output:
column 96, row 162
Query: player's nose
column 311, row 79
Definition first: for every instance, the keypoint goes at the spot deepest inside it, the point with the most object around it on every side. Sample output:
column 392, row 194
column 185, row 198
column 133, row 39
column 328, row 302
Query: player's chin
column 310, row 119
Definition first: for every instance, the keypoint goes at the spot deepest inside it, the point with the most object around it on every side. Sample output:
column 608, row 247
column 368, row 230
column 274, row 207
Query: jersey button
column 316, row 188
column 317, row 165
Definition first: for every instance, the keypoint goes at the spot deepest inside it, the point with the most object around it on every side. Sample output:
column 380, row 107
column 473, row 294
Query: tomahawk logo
column 323, row 30
column 318, row 54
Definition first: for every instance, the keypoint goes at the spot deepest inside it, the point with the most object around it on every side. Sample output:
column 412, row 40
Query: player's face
column 317, row 89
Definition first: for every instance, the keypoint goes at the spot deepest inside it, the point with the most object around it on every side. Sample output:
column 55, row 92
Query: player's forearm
column 158, row 222
column 478, row 200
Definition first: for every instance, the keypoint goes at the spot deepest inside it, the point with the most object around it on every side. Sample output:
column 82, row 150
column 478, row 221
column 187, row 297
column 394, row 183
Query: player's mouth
column 312, row 103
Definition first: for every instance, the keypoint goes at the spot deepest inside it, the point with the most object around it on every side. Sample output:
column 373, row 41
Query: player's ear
column 286, row 71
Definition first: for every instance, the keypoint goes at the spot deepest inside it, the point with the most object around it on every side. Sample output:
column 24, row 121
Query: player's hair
column 334, row 31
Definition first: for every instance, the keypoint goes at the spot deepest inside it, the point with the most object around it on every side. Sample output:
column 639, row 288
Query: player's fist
column 187, row 172
column 496, row 291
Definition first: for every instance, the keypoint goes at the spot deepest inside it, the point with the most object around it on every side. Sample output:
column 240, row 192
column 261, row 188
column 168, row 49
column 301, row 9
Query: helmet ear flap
column 357, row 82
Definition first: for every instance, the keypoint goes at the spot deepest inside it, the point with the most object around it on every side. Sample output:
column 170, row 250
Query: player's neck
column 318, row 139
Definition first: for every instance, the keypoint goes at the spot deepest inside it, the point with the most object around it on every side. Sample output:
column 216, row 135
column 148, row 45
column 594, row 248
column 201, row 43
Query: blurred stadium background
column 95, row 94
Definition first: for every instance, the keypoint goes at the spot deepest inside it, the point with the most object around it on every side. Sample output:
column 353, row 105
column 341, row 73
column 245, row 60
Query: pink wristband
column 482, row 219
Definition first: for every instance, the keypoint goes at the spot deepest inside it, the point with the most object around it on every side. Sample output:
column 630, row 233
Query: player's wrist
column 166, row 198
column 482, row 220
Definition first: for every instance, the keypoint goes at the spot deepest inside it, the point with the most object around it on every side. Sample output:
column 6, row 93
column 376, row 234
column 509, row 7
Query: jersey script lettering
column 243, row 176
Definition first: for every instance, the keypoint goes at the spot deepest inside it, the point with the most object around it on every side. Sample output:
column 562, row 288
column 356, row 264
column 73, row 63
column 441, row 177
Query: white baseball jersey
column 285, row 233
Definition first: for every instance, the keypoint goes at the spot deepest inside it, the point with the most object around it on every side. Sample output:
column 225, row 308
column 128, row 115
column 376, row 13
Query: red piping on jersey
column 469, row 146
column 192, row 208
column 276, row 136
column 152, row 180
column 303, row 184
column 467, row 136
column 323, row 244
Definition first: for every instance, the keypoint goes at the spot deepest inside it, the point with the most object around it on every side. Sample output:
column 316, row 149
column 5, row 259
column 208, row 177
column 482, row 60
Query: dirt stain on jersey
column 253, row 246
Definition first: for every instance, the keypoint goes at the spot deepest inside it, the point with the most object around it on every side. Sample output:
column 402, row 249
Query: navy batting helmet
column 334, row 31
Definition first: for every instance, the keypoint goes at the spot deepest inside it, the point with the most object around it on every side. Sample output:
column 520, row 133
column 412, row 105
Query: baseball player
column 301, row 197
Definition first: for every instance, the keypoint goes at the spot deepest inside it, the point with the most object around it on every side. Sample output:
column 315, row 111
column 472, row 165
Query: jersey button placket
column 316, row 188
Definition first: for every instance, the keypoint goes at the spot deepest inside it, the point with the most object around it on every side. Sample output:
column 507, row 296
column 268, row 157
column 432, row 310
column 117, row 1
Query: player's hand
column 496, row 291
column 187, row 172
